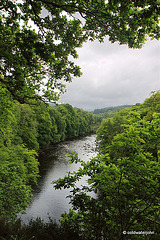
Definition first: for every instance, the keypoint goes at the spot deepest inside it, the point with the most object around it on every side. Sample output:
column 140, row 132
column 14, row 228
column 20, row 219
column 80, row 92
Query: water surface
column 54, row 164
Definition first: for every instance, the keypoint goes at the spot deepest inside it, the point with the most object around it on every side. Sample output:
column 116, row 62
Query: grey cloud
column 114, row 75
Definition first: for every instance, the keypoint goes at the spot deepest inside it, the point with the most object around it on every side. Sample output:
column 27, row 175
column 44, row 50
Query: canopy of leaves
column 38, row 38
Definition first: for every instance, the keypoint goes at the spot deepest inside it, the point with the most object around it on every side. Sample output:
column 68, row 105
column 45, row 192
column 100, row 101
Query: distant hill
column 107, row 109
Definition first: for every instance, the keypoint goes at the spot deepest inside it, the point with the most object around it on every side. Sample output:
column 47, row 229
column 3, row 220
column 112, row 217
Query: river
column 54, row 164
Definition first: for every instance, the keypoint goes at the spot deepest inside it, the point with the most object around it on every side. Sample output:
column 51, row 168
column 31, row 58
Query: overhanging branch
column 21, row 100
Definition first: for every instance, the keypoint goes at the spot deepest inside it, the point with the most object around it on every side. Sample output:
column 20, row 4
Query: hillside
column 107, row 109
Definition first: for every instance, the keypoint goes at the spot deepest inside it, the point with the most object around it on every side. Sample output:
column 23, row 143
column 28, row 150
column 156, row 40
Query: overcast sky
column 114, row 75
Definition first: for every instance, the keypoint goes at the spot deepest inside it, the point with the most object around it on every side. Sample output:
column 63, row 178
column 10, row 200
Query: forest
column 108, row 109
column 101, row 113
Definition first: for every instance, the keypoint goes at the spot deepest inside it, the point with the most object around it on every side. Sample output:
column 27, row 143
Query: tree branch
column 21, row 100
column 2, row 131
column 57, row 5
column 36, row 15
column 138, row 214
column 153, row 221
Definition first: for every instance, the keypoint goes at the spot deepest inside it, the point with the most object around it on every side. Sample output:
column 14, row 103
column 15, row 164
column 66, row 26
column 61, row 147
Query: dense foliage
column 18, row 164
column 125, row 176
column 108, row 112
column 23, row 130
column 38, row 38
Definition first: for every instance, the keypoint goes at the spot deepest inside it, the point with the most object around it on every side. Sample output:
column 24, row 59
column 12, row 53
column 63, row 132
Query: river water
column 54, row 164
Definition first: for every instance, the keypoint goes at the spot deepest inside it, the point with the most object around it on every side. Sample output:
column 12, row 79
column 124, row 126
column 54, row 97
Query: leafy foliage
column 124, row 176
column 18, row 164
column 19, row 169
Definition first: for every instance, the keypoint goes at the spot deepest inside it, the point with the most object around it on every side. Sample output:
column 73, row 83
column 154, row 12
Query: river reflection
column 54, row 164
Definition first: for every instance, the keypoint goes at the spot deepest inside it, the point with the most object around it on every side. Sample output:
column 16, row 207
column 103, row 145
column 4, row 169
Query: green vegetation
column 101, row 113
column 24, row 129
column 125, row 176
column 18, row 164
column 107, row 110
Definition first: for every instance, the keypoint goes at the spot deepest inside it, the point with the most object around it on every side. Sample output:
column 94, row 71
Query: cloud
column 114, row 75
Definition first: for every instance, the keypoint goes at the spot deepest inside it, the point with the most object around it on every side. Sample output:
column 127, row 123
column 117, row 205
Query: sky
column 114, row 75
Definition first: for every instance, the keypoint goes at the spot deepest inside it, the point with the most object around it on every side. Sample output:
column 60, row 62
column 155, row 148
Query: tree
column 38, row 37
column 27, row 125
column 45, row 126
column 110, row 127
